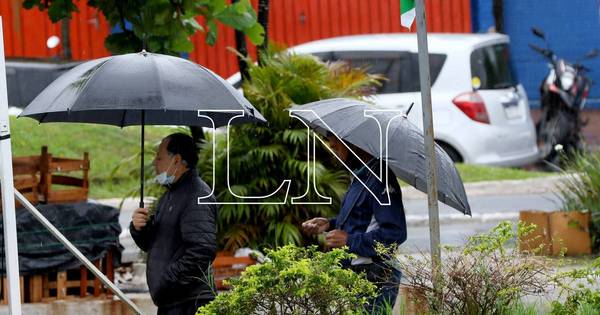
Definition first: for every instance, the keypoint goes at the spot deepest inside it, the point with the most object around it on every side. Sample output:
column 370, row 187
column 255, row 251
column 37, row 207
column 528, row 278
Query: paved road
column 487, row 212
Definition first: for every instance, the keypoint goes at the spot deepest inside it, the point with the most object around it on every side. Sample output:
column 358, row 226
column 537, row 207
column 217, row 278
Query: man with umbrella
column 372, row 209
column 180, row 237
column 153, row 89
column 364, row 220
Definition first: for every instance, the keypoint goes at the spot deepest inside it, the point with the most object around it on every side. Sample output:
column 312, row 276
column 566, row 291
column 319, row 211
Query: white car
column 481, row 113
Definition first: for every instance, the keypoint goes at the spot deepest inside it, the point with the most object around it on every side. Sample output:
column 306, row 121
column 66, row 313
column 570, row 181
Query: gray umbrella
column 405, row 151
column 141, row 89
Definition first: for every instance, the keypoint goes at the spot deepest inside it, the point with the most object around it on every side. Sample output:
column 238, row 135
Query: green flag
column 407, row 13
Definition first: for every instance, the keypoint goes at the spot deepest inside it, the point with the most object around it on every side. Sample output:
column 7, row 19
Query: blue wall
column 572, row 28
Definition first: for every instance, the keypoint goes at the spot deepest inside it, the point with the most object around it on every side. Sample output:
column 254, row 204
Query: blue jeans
column 387, row 281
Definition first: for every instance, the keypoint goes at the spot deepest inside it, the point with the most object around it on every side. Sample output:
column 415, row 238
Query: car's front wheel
column 452, row 153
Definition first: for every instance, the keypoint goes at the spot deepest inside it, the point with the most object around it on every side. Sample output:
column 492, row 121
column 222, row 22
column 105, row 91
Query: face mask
column 164, row 178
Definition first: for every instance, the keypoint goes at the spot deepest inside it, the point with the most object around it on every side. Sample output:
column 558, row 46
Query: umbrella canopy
column 142, row 89
column 115, row 90
column 405, row 149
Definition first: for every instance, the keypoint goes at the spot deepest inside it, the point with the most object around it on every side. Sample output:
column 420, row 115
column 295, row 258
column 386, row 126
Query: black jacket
column 180, row 239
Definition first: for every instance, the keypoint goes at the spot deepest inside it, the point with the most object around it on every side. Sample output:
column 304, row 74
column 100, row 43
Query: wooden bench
column 54, row 171
column 37, row 178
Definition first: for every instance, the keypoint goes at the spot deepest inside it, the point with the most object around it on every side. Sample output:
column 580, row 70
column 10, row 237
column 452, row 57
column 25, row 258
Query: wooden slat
column 22, row 288
column 83, row 285
column 61, row 285
column 25, row 183
column 224, row 261
column 97, row 284
column 67, row 180
column 35, row 288
column 67, row 166
column 45, row 285
column 109, row 270
column 70, row 195
column 4, row 290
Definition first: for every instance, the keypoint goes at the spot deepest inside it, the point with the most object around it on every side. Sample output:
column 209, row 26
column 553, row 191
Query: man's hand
column 336, row 238
column 315, row 226
column 139, row 218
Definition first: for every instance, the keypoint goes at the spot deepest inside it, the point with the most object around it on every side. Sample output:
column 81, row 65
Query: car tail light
column 473, row 106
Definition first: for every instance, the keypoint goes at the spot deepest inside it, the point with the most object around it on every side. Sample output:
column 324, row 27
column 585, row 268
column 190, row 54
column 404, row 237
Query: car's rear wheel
column 452, row 153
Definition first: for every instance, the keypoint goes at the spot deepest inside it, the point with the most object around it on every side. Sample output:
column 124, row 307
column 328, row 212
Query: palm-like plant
column 262, row 157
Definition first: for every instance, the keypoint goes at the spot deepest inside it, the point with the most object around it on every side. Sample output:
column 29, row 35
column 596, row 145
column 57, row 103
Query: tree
column 161, row 26
column 263, row 19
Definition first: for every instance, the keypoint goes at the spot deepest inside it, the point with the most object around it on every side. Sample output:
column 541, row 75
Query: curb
column 550, row 184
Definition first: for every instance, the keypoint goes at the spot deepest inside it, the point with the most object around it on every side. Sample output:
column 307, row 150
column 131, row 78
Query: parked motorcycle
column 563, row 92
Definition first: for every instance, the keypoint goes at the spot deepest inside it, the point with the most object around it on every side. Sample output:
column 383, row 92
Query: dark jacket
column 360, row 206
column 180, row 239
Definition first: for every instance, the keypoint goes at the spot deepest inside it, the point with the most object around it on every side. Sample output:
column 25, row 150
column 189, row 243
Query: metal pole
column 8, row 200
column 434, row 220
column 40, row 217
column 142, row 162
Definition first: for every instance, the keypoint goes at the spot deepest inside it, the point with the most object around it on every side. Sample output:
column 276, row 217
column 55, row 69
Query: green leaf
column 211, row 35
column 182, row 43
column 256, row 34
column 124, row 42
column 194, row 24
column 240, row 21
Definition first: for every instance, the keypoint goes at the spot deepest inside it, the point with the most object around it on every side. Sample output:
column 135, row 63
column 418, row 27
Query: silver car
column 481, row 113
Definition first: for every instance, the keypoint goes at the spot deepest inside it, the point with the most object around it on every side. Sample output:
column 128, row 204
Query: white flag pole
column 432, row 194
column 8, row 197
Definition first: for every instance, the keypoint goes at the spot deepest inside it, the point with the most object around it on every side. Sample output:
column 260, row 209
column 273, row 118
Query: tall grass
column 581, row 190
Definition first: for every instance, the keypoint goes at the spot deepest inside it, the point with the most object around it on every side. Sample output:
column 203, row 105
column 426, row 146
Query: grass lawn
column 110, row 146
column 478, row 173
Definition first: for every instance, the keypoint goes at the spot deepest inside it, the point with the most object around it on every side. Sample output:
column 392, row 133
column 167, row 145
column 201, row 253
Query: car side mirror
column 538, row 32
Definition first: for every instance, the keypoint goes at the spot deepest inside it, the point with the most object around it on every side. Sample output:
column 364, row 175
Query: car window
column 400, row 68
column 490, row 68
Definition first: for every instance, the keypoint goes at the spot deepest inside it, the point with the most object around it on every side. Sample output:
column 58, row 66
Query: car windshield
column 400, row 68
column 490, row 68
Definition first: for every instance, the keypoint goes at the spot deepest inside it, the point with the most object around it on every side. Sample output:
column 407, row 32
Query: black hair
column 182, row 144
column 355, row 162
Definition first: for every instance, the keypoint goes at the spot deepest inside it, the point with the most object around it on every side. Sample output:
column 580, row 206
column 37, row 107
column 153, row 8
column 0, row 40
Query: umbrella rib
column 222, row 87
column 123, row 118
column 87, row 83
column 160, row 87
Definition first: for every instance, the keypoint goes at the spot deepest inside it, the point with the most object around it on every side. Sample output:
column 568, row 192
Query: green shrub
column 484, row 276
column 581, row 302
column 581, row 190
column 295, row 280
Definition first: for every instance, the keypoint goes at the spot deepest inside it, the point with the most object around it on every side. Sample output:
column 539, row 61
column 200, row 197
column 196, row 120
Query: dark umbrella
column 140, row 89
column 405, row 151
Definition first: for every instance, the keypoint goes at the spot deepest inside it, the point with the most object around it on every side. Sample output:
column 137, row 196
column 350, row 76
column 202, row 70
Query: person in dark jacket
column 363, row 221
column 180, row 237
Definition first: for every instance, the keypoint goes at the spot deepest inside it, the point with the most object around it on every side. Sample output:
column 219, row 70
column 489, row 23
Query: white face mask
column 164, row 178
